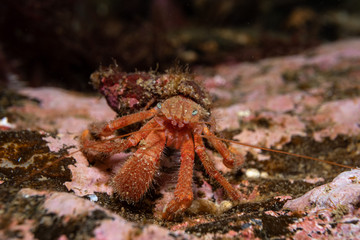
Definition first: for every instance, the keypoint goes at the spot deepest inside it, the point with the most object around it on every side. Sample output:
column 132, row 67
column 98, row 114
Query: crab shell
column 127, row 93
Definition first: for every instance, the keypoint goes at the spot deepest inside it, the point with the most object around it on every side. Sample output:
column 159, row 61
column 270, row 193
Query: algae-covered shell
column 127, row 93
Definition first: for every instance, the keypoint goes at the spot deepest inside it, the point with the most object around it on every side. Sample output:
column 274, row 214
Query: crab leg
column 133, row 180
column 211, row 170
column 124, row 121
column 117, row 146
column 183, row 195
column 228, row 158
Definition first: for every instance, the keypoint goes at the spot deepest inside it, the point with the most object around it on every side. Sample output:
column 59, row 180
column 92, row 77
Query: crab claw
column 176, row 207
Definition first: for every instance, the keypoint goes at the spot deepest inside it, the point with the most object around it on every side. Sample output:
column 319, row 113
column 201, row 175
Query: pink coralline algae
column 343, row 190
column 299, row 84
column 338, row 117
column 67, row 208
column 330, row 210
column 327, row 224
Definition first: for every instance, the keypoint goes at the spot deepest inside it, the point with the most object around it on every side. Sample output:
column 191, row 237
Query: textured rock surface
column 307, row 104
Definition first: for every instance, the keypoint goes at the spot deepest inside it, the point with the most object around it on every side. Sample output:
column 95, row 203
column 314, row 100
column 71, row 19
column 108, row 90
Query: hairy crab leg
column 133, row 180
column 183, row 195
column 19, row 181
column 116, row 146
column 124, row 121
column 211, row 170
column 228, row 158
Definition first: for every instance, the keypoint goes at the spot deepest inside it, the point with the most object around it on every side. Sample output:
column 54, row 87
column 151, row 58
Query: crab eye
column 158, row 105
column 194, row 112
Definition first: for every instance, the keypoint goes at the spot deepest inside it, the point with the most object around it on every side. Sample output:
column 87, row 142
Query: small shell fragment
column 93, row 197
column 201, row 206
column 224, row 206
column 264, row 175
column 252, row 173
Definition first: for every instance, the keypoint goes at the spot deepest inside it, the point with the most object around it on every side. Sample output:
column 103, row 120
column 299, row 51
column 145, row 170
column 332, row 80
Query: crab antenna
column 282, row 152
column 72, row 153
column 204, row 122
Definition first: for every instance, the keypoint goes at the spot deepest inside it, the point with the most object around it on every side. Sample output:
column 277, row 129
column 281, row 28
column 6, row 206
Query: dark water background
column 60, row 43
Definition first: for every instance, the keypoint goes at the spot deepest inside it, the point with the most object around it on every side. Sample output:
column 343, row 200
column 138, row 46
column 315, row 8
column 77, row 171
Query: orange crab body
column 177, row 122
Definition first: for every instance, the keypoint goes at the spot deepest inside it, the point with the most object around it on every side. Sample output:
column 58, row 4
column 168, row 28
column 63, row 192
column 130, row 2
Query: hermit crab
column 176, row 113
